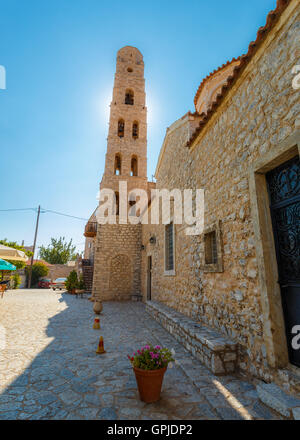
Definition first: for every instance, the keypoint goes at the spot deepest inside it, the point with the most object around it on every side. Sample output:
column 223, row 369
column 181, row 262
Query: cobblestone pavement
column 49, row 368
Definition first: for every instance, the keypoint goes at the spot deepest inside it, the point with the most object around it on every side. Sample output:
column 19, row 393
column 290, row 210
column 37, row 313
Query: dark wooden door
column 149, row 277
column 284, row 192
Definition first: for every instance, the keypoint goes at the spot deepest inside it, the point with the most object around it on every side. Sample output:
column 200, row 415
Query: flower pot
column 149, row 383
column 98, row 307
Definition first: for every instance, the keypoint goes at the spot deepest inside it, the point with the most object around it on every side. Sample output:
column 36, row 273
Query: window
column 121, row 128
column 134, row 166
column 212, row 249
column 210, row 244
column 132, row 208
column 117, row 169
column 129, row 97
column 117, row 203
column 169, row 247
column 135, row 130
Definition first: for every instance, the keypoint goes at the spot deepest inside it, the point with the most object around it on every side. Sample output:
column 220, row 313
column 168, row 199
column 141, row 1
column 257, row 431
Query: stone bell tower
column 126, row 154
column 117, row 261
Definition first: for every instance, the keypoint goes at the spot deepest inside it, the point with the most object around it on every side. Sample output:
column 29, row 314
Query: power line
column 43, row 210
column 19, row 209
column 65, row 215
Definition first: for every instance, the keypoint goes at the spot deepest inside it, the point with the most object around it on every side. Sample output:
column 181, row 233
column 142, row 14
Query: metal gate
column 284, row 192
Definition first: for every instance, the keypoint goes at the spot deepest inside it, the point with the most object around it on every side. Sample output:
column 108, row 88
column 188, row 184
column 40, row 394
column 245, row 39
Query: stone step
column 87, row 272
column 274, row 397
column 217, row 352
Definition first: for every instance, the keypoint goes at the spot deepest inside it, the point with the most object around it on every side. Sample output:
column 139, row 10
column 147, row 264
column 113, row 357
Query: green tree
column 72, row 281
column 39, row 270
column 58, row 252
column 15, row 245
column 81, row 284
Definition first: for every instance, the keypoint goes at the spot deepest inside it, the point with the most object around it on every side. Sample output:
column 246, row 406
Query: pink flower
column 158, row 347
column 147, row 347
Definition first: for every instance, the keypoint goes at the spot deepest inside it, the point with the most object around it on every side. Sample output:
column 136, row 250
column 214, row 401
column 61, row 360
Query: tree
column 72, row 281
column 58, row 252
column 15, row 245
column 39, row 270
column 81, row 284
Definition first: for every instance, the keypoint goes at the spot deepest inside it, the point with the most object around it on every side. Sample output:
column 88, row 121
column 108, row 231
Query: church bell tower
column 117, row 261
column 126, row 156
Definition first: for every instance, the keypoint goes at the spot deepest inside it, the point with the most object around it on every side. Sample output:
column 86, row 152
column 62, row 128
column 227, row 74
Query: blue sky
column 59, row 57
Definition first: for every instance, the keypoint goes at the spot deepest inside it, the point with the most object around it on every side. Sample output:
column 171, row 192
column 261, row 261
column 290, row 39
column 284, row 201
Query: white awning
column 7, row 253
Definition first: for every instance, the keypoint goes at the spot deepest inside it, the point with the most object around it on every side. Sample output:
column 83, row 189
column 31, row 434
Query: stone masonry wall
column 263, row 111
column 117, row 263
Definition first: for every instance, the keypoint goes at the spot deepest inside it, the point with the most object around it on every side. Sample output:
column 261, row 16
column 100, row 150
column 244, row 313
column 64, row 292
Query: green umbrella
column 4, row 265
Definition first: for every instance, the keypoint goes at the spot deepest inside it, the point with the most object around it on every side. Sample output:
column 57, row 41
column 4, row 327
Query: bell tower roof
column 130, row 54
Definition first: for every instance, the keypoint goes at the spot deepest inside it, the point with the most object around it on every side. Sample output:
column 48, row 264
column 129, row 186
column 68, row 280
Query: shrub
column 16, row 280
column 81, row 284
column 151, row 358
column 39, row 270
column 72, row 281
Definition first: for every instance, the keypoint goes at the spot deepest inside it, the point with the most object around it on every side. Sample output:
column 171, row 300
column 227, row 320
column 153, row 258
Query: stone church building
column 232, row 294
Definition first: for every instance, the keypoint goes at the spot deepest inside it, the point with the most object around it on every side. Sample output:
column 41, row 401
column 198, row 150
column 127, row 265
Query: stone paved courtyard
column 49, row 368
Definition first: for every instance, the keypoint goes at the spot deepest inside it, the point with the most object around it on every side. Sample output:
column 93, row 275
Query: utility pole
column 34, row 243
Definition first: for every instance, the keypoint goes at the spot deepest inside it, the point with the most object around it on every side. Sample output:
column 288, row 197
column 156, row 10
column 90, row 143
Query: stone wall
column 59, row 271
column 261, row 111
column 89, row 249
column 117, row 263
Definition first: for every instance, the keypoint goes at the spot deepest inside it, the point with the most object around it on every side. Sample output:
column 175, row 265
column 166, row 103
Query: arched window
column 121, row 128
column 117, row 203
column 117, row 169
column 135, row 130
column 132, row 203
column 134, row 166
column 129, row 97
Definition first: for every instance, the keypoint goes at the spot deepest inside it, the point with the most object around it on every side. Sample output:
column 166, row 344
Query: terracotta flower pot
column 149, row 383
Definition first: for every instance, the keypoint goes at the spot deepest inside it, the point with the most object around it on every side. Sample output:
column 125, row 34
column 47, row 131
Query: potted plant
column 149, row 365
column 80, row 285
column 72, row 282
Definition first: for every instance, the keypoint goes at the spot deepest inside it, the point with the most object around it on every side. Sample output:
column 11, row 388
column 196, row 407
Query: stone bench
column 217, row 352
